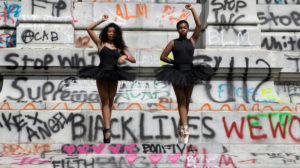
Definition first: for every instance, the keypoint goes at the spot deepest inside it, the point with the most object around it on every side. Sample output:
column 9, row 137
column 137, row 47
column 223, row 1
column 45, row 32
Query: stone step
column 68, row 61
column 85, row 126
column 150, row 107
column 190, row 158
column 148, row 155
column 145, row 1
column 145, row 148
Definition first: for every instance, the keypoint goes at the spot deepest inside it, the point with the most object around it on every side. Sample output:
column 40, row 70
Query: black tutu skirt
column 110, row 72
column 185, row 74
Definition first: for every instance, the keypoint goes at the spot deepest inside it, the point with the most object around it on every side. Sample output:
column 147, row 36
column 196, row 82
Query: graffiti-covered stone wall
column 245, row 116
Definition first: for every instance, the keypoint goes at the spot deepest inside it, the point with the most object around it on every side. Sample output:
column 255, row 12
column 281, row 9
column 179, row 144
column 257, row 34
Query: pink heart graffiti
column 116, row 149
column 98, row 149
column 83, row 149
column 155, row 158
column 174, row 158
column 129, row 148
column 69, row 149
column 131, row 158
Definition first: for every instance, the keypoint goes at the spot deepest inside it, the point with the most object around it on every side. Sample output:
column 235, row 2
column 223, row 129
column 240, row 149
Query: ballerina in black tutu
column 183, row 74
column 112, row 51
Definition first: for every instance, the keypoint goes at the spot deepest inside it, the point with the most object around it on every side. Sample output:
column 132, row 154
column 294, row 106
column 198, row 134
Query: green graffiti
column 274, row 117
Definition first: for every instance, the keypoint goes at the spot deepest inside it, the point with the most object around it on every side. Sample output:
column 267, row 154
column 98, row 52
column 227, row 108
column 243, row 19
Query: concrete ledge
column 133, row 15
column 150, row 107
column 72, row 89
column 45, row 35
column 47, row 11
column 85, row 127
column 280, row 41
column 147, row 148
column 232, row 37
column 69, row 60
column 278, row 17
column 231, row 13
column 140, row 155
column 143, row 1
column 134, row 39
column 283, row 2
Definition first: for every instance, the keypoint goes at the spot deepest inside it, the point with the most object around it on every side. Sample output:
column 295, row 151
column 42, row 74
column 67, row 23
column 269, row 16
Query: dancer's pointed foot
column 106, row 135
column 184, row 133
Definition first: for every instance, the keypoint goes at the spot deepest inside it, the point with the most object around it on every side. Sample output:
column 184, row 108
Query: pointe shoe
column 106, row 140
column 180, row 133
column 184, row 133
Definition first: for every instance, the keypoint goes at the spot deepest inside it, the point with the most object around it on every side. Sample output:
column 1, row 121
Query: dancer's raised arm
column 92, row 34
column 197, row 30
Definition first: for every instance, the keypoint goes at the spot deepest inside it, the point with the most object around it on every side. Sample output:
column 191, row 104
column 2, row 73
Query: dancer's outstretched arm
column 126, row 56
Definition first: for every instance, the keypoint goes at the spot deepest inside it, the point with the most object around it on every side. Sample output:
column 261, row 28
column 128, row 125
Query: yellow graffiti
column 268, row 94
column 169, row 56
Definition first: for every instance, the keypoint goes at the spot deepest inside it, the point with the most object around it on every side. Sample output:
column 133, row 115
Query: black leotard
column 184, row 73
column 109, row 56
column 183, row 51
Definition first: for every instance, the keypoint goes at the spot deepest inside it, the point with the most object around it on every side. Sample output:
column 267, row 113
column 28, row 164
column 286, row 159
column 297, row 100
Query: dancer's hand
column 105, row 17
column 189, row 6
column 122, row 59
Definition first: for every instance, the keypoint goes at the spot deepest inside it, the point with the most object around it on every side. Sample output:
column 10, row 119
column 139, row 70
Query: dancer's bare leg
column 103, row 90
column 112, row 87
column 181, row 101
column 188, row 90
